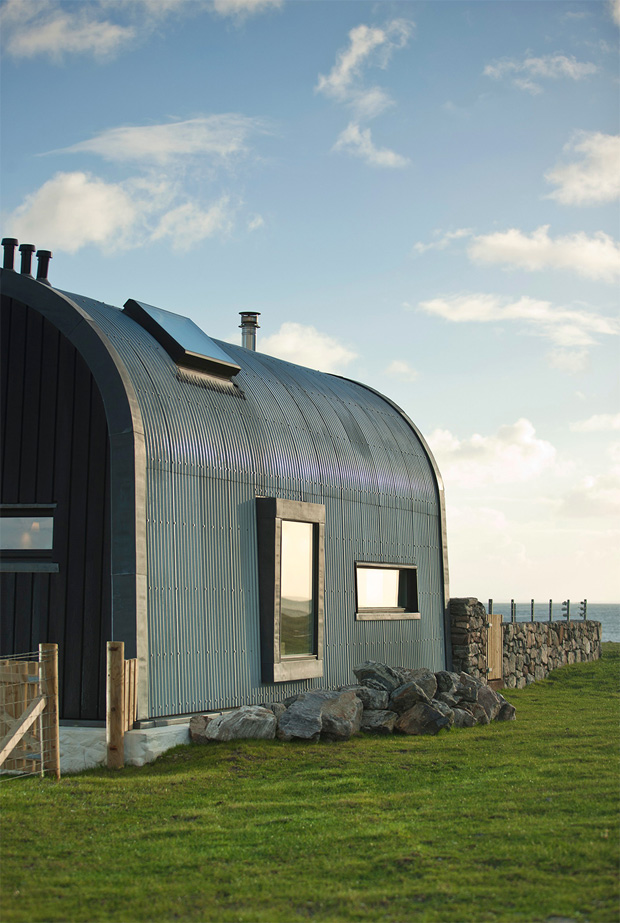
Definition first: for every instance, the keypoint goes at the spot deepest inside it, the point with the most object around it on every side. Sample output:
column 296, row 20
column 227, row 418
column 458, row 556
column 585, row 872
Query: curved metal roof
column 277, row 420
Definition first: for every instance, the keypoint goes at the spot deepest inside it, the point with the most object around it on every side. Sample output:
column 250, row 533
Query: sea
column 608, row 614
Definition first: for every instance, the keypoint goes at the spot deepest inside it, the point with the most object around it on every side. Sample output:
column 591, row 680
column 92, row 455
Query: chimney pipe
column 249, row 326
column 26, row 251
column 9, row 244
column 43, row 257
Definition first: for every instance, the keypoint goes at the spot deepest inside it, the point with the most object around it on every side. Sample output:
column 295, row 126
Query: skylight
column 182, row 339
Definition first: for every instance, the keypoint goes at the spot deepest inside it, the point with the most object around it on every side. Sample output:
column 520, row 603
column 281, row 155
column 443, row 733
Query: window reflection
column 377, row 588
column 297, row 588
column 26, row 533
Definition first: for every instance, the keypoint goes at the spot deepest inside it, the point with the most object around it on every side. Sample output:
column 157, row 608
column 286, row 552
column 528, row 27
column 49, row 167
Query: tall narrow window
column 297, row 589
column 291, row 543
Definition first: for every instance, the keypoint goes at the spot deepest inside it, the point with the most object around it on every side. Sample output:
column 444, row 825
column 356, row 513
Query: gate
column 29, row 713
column 495, row 648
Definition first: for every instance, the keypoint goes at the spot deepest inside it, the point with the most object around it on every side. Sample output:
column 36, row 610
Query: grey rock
column 422, row 719
column 444, row 709
column 342, row 716
column 377, row 675
column 490, row 701
column 448, row 698
column 378, row 721
column 278, row 708
column 467, row 688
column 405, row 697
column 197, row 727
column 334, row 715
column 462, row 718
column 507, row 712
column 446, row 681
column 248, row 722
column 423, row 677
column 371, row 698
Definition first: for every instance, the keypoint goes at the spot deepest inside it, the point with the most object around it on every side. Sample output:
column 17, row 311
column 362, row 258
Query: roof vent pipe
column 249, row 326
column 26, row 251
column 43, row 257
column 9, row 244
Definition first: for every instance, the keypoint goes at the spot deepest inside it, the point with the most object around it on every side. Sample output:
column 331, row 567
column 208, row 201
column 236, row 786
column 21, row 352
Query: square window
column 386, row 591
column 291, row 556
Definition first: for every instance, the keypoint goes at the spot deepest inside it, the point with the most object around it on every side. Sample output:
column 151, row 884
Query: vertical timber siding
column 55, row 449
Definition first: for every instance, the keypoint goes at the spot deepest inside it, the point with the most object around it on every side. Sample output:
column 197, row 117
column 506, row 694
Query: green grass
column 509, row 822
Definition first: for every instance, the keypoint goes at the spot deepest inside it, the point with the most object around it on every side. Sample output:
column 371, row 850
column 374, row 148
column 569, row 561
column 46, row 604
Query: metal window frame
column 28, row 560
column 270, row 512
column 396, row 613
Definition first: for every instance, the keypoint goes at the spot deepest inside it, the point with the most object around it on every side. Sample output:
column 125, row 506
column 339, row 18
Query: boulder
column 467, row 688
column 446, row 681
column 342, row 716
column 477, row 711
column 462, row 718
column 278, row 708
column 490, row 701
column 423, row 677
column 197, row 727
column 378, row 721
column 333, row 715
column 423, row 719
column 405, row 697
column 507, row 712
column 377, row 676
column 250, row 722
column 374, row 699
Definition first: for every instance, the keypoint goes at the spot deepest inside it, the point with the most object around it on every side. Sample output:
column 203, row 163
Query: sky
column 422, row 196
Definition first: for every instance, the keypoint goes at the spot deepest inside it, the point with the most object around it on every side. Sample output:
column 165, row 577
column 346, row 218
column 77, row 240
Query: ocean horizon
column 608, row 614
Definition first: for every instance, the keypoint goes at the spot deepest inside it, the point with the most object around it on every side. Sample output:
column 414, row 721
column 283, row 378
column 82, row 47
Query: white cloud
column 41, row 27
column 572, row 361
column 514, row 454
column 256, row 222
column 594, row 496
column 552, row 67
column 596, row 257
column 188, row 224
column 219, row 136
column 442, row 242
column 566, row 327
column 242, row 8
column 599, row 423
column 358, row 142
column 596, row 178
column 307, row 346
column 614, row 6
column 72, row 210
column 399, row 368
column 367, row 45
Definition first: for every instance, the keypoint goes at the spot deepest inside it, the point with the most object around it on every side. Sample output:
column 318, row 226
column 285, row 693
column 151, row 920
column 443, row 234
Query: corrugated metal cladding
column 283, row 431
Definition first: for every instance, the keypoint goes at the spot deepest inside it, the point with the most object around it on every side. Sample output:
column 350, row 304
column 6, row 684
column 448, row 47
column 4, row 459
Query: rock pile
column 384, row 700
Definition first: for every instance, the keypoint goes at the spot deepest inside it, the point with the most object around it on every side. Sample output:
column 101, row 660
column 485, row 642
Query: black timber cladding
column 55, row 450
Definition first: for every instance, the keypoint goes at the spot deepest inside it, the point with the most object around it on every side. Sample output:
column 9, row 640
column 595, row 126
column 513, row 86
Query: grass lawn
column 514, row 821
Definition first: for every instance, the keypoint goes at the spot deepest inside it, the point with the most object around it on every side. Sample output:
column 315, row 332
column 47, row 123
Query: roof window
column 182, row 339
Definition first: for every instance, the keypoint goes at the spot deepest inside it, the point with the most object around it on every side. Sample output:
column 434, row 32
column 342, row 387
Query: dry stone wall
column 531, row 650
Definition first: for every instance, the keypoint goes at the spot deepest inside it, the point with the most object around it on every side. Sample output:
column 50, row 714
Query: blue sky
column 422, row 196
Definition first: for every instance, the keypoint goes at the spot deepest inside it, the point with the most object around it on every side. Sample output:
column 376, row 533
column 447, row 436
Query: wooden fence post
column 115, row 700
column 50, row 744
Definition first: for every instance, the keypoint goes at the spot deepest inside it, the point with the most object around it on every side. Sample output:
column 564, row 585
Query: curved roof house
column 248, row 527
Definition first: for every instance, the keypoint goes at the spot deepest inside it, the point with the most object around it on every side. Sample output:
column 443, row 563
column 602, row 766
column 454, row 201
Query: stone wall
column 468, row 620
column 531, row 650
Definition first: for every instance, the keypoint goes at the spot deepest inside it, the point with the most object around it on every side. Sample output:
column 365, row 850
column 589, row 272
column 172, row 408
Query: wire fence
column 540, row 612
column 29, row 743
